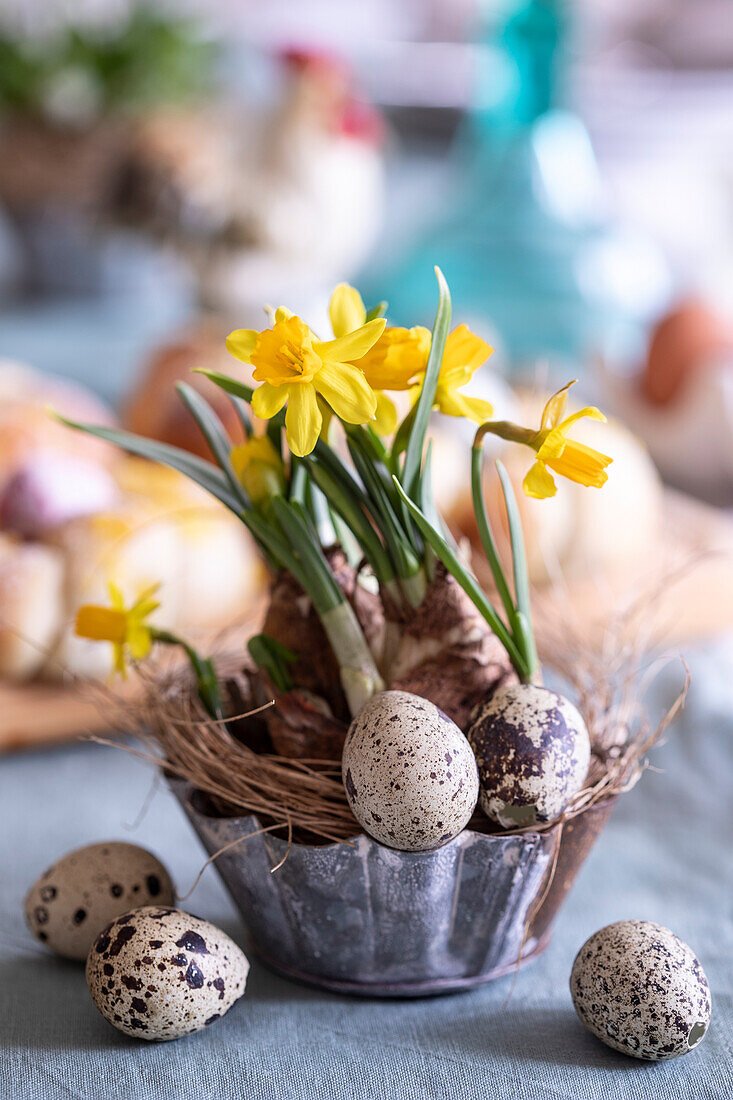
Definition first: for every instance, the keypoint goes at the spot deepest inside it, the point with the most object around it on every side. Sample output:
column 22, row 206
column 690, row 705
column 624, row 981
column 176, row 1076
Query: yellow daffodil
column 567, row 457
column 392, row 363
column 124, row 627
column 293, row 367
column 259, row 467
column 464, row 353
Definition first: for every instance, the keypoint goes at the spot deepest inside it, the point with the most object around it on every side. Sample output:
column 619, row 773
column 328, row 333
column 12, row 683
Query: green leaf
column 467, row 581
column 303, row 542
column 485, row 532
column 398, row 546
column 207, row 682
column 378, row 310
column 521, row 573
column 400, row 441
column 274, row 658
column 350, row 510
column 426, row 400
column 240, row 408
column 214, row 434
column 204, row 473
column 299, row 480
column 519, row 557
column 229, row 385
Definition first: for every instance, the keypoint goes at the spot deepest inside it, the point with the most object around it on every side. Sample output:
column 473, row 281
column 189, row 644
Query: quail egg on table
column 641, row 990
column 409, row 773
column 158, row 973
column 81, row 893
column 533, row 752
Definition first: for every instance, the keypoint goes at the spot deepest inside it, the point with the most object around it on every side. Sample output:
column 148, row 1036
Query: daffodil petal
column 282, row 313
column 538, row 482
column 353, row 345
column 464, row 353
column 267, row 400
column 241, row 343
column 347, row 392
column 452, row 403
column 139, row 641
column 115, row 595
column 302, row 420
column 590, row 411
column 346, row 310
column 552, row 445
column 555, row 407
column 385, row 417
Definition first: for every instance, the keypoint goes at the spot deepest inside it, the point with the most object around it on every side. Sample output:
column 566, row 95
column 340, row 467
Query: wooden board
column 692, row 569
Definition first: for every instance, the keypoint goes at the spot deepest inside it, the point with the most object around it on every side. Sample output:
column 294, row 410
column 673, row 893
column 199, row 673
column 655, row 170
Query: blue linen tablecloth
column 665, row 856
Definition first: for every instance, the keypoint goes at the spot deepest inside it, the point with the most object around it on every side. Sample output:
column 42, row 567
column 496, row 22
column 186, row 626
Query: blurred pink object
column 26, row 426
column 51, row 489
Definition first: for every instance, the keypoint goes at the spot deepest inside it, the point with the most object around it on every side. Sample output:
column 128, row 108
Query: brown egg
column 154, row 408
column 687, row 338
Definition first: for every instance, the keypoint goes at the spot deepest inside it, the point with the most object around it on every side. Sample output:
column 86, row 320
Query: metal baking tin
column 365, row 919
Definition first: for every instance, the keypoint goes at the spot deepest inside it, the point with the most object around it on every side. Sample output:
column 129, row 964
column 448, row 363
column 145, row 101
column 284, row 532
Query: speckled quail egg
column 533, row 752
column 641, row 990
column 409, row 772
column 158, row 973
column 80, row 893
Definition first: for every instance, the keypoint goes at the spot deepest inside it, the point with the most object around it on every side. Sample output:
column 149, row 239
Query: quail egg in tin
column 641, row 990
column 532, row 749
column 409, row 773
column 82, row 892
column 158, row 973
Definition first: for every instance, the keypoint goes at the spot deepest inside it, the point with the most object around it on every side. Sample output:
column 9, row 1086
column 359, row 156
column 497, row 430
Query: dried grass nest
column 606, row 678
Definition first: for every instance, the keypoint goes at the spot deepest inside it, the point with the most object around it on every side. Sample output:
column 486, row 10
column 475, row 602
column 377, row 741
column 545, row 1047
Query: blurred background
column 167, row 168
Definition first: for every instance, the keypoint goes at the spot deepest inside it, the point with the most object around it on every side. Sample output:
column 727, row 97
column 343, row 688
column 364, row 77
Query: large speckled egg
column 409, row 772
column 533, row 752
column 641, row 990
column 81, row 893
column 159, row 973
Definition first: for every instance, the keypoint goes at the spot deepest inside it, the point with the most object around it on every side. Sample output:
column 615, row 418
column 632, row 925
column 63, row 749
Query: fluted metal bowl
column 361, row 918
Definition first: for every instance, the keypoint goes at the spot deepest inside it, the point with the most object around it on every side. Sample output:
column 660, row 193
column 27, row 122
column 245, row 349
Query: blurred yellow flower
column 567, row 457
column 124, row 627
column 293, row 366
column 464, row 353
column 259, row 468
column 391, row 363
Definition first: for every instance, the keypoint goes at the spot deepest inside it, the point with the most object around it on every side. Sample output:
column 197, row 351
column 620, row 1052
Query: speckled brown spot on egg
column 641, row 990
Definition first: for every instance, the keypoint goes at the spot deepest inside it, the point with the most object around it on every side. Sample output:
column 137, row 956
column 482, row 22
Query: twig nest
column 532, row 749
column 159, row 973
column 85, row 889
column 641, row 990
column 409, row 773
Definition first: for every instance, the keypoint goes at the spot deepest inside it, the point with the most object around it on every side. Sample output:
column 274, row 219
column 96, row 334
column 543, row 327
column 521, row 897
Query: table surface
column 665, row 856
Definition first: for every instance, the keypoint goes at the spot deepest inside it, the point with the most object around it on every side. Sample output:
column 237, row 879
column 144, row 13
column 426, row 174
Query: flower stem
column 505, row 429
column 360, row 678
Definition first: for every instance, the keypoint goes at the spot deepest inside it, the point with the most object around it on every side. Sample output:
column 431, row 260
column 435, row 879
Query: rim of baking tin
column 186, row 788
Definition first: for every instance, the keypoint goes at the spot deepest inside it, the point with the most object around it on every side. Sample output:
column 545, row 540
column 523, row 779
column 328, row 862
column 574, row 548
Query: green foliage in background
column 152, row 59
